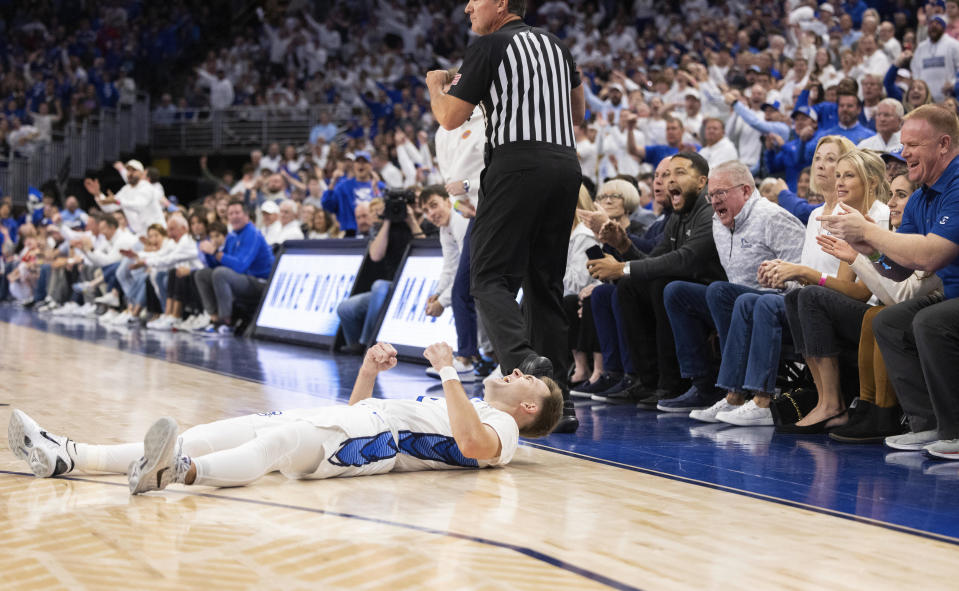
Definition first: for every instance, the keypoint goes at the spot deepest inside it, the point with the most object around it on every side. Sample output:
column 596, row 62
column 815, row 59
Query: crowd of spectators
column 718, row 135
column 139, row 258
column 64, row 61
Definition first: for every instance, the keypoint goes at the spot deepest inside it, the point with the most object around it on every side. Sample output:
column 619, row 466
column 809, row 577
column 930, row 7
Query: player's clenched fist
column 439, row 354
column 380, row 357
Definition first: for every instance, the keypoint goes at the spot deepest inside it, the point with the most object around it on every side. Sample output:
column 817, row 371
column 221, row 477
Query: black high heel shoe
column 814, row 429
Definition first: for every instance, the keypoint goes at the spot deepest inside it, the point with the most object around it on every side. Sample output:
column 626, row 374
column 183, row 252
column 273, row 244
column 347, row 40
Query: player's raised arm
column 379, row 357
column 474, row 438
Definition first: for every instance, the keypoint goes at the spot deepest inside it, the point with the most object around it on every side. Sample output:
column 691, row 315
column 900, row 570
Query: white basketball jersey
column 425, row 439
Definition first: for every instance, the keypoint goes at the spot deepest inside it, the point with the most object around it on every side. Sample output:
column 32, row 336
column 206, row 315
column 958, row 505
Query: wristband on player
column 449, row 373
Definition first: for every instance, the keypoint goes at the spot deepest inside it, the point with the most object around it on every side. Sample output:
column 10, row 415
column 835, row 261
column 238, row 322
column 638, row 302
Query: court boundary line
column 904, row 529
column 715, row 486
column 523, row 550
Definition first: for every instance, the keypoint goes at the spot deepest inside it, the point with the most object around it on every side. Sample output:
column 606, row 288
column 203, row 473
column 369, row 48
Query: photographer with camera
column 358, row 313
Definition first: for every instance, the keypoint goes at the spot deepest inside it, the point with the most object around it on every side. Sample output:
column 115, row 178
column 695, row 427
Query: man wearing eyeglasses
column 686, row 252
column 747, row 230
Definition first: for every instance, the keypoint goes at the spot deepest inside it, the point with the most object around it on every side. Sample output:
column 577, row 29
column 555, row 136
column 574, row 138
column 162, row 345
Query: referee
column 530, row 92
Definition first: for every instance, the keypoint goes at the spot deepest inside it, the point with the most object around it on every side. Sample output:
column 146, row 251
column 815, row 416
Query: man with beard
column 848, row 109
column 687, row 252
column 936, row 59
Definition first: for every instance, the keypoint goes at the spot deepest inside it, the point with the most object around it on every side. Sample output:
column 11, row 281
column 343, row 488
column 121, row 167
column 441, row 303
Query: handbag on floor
column 792, row 405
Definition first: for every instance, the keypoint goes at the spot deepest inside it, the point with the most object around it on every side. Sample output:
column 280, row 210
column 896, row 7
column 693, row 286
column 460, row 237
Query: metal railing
column 236, row 130
column 79, row 147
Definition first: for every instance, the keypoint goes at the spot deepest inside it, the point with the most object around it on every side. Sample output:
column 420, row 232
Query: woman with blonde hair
column 827, row 314
column 818, row 180
column 577, row 288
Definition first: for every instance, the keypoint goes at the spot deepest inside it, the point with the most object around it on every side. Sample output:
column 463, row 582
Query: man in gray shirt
column 748, row 230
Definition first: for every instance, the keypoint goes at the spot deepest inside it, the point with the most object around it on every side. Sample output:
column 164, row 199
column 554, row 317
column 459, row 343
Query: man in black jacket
column 687, row 252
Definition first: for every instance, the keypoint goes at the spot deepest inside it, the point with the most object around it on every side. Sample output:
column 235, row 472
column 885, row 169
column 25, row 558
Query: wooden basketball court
column 548, row 521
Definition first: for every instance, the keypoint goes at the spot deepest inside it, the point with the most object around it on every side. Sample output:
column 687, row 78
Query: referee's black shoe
column 568, row 423
column 536, row 366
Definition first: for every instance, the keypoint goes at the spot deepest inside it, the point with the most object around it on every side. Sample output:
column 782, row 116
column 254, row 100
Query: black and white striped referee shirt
column 522, row 78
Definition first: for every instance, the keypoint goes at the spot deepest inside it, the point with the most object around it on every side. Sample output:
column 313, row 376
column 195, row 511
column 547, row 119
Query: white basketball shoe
column 47, row 454
column 162, row 463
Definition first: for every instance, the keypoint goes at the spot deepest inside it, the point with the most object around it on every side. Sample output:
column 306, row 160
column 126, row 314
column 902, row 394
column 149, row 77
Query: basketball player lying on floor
column 368, row 436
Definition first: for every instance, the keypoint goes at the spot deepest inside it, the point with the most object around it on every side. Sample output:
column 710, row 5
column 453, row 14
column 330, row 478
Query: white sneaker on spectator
column 88, row 310
column 108, row 316
column 110, row 299
column 747, row 415
column 47, row 305
column 191, row 322
column 947, row 449
column 201, row 324
column 67, row 309
column 912, row 441
column 708, row 415
column 121, row 319
column 164, row 323
column 183, row 324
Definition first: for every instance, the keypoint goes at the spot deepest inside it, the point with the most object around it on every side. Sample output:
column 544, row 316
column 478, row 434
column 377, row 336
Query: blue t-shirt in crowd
column 246, row 252
column 74, row 219
column 935, row 210
column 13, row 227
column 657, row 152
column 855, row 134
column 342, row 199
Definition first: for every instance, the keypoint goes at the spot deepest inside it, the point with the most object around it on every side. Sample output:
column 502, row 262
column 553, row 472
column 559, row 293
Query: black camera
column 395, row 202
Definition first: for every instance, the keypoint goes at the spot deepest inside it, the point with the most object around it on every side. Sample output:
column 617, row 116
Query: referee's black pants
column 520, row 238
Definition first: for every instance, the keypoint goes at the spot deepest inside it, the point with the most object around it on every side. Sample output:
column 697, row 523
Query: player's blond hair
column 550, row 411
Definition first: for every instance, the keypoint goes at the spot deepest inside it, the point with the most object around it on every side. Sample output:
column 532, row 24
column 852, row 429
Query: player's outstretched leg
column 161, row 464
column 46, row 453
